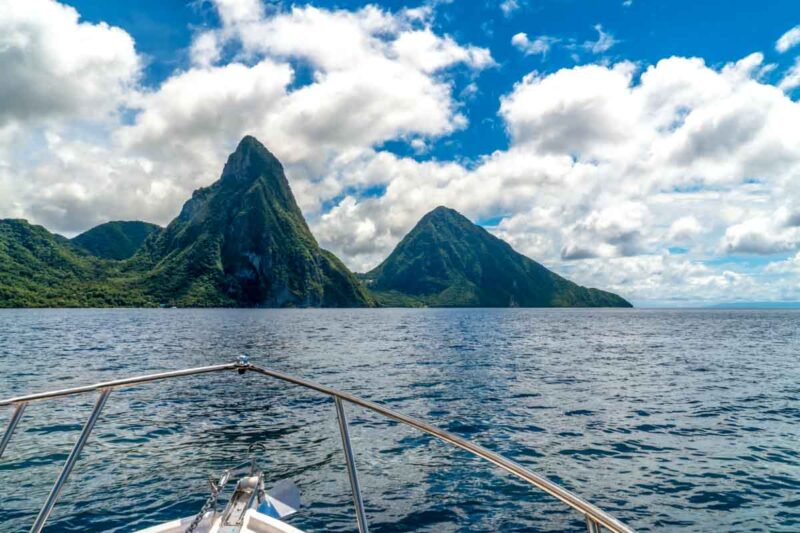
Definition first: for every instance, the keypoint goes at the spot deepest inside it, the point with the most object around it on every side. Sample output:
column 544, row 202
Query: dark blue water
column 671, row 420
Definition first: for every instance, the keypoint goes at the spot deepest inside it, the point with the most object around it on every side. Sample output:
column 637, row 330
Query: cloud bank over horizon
column 674, row 182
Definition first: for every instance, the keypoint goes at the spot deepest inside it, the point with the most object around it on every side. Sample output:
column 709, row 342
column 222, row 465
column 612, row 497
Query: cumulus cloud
column 788, row 40
column 758, row 236
column 381, row 81
column 556, row 113
column 604, row 169
column 54, row 65
column 684, row 229
column 608, row 165
column 75, row 184
column 205, row 49
column 612, row 231
column 690, row 283
column 384, row 79
column 539, row 46
column 206, row 105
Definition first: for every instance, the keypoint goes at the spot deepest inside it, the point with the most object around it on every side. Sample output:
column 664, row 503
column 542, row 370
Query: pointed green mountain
column 239, row 242
column 448, row 261
column 243, row 241
column 115, row 240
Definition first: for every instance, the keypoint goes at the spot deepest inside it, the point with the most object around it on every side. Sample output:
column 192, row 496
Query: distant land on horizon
column 243, row 242
column 755, row 305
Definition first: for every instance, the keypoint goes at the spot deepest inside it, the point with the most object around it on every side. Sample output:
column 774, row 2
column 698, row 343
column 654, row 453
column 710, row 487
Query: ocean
column 671, row 420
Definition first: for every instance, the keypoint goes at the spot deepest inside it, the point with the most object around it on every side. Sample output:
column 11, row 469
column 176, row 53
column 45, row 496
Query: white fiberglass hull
column 254, row 522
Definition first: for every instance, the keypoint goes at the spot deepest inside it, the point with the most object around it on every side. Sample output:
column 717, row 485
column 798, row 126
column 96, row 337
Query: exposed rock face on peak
column 244, row 241
column 250, row 161
column 446, row 260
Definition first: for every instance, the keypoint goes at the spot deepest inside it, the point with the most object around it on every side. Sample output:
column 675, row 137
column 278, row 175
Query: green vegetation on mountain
column 115, row 240
column 243, row 241
column 40, row 269
column 239, row 242
column 447, row 261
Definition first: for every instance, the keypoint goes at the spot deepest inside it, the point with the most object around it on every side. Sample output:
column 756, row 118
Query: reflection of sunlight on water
column 668, row 419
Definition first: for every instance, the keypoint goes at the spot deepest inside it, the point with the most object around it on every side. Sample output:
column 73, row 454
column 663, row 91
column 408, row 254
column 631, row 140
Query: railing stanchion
column 592, row 526
column 596, row 519
column 361, row 517
column 12, row 425
column 47, row 508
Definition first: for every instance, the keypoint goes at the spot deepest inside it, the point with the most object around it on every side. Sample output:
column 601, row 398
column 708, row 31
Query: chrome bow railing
column 596, row 519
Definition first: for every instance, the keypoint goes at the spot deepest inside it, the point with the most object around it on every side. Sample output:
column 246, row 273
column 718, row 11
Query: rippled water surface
column 672, row 420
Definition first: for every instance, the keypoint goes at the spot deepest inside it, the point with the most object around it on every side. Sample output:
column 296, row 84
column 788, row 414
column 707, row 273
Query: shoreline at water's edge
column 168, row 308
column 632, row 308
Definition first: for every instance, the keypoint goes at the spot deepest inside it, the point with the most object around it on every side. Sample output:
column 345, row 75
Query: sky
column 646, row 147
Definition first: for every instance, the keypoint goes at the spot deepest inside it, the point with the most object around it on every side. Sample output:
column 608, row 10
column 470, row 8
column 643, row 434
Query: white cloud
column 205, row 49
column 788, row 40
column 791, row 79
column 508, row 7
column 688, row 283
column 80, row 183
column 343, row 38
column 758, row 236
column 684, row 229
column 186, row 126
column 612, row 231
column 607, row 166
column 573, row 110
column 377, row 76
column 430, row 53
column 234, row 12
column 786, row 266
column 604, row 170
column 54, row 66
column 539, row 46
column 603, row 43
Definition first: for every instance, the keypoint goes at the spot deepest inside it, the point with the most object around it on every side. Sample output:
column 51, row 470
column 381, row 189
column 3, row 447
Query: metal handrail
column 595, row 517
column 117, row 383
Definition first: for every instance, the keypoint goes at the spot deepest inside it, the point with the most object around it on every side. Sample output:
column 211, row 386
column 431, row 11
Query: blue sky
column 646, row 31
column 650, row 148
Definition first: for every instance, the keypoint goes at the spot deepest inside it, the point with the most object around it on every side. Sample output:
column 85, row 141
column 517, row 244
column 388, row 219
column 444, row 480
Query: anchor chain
column 211, row 502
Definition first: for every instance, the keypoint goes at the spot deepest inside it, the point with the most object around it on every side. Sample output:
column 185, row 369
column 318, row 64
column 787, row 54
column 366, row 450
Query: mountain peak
column 249, row 142
column 444, row 214
column 446, row 260
column 250, row 160
column 244, row 241
column 441, row 211
column 118, row 239
column 443, row 217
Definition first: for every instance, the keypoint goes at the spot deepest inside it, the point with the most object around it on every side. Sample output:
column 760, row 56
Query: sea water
column 671, row 420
